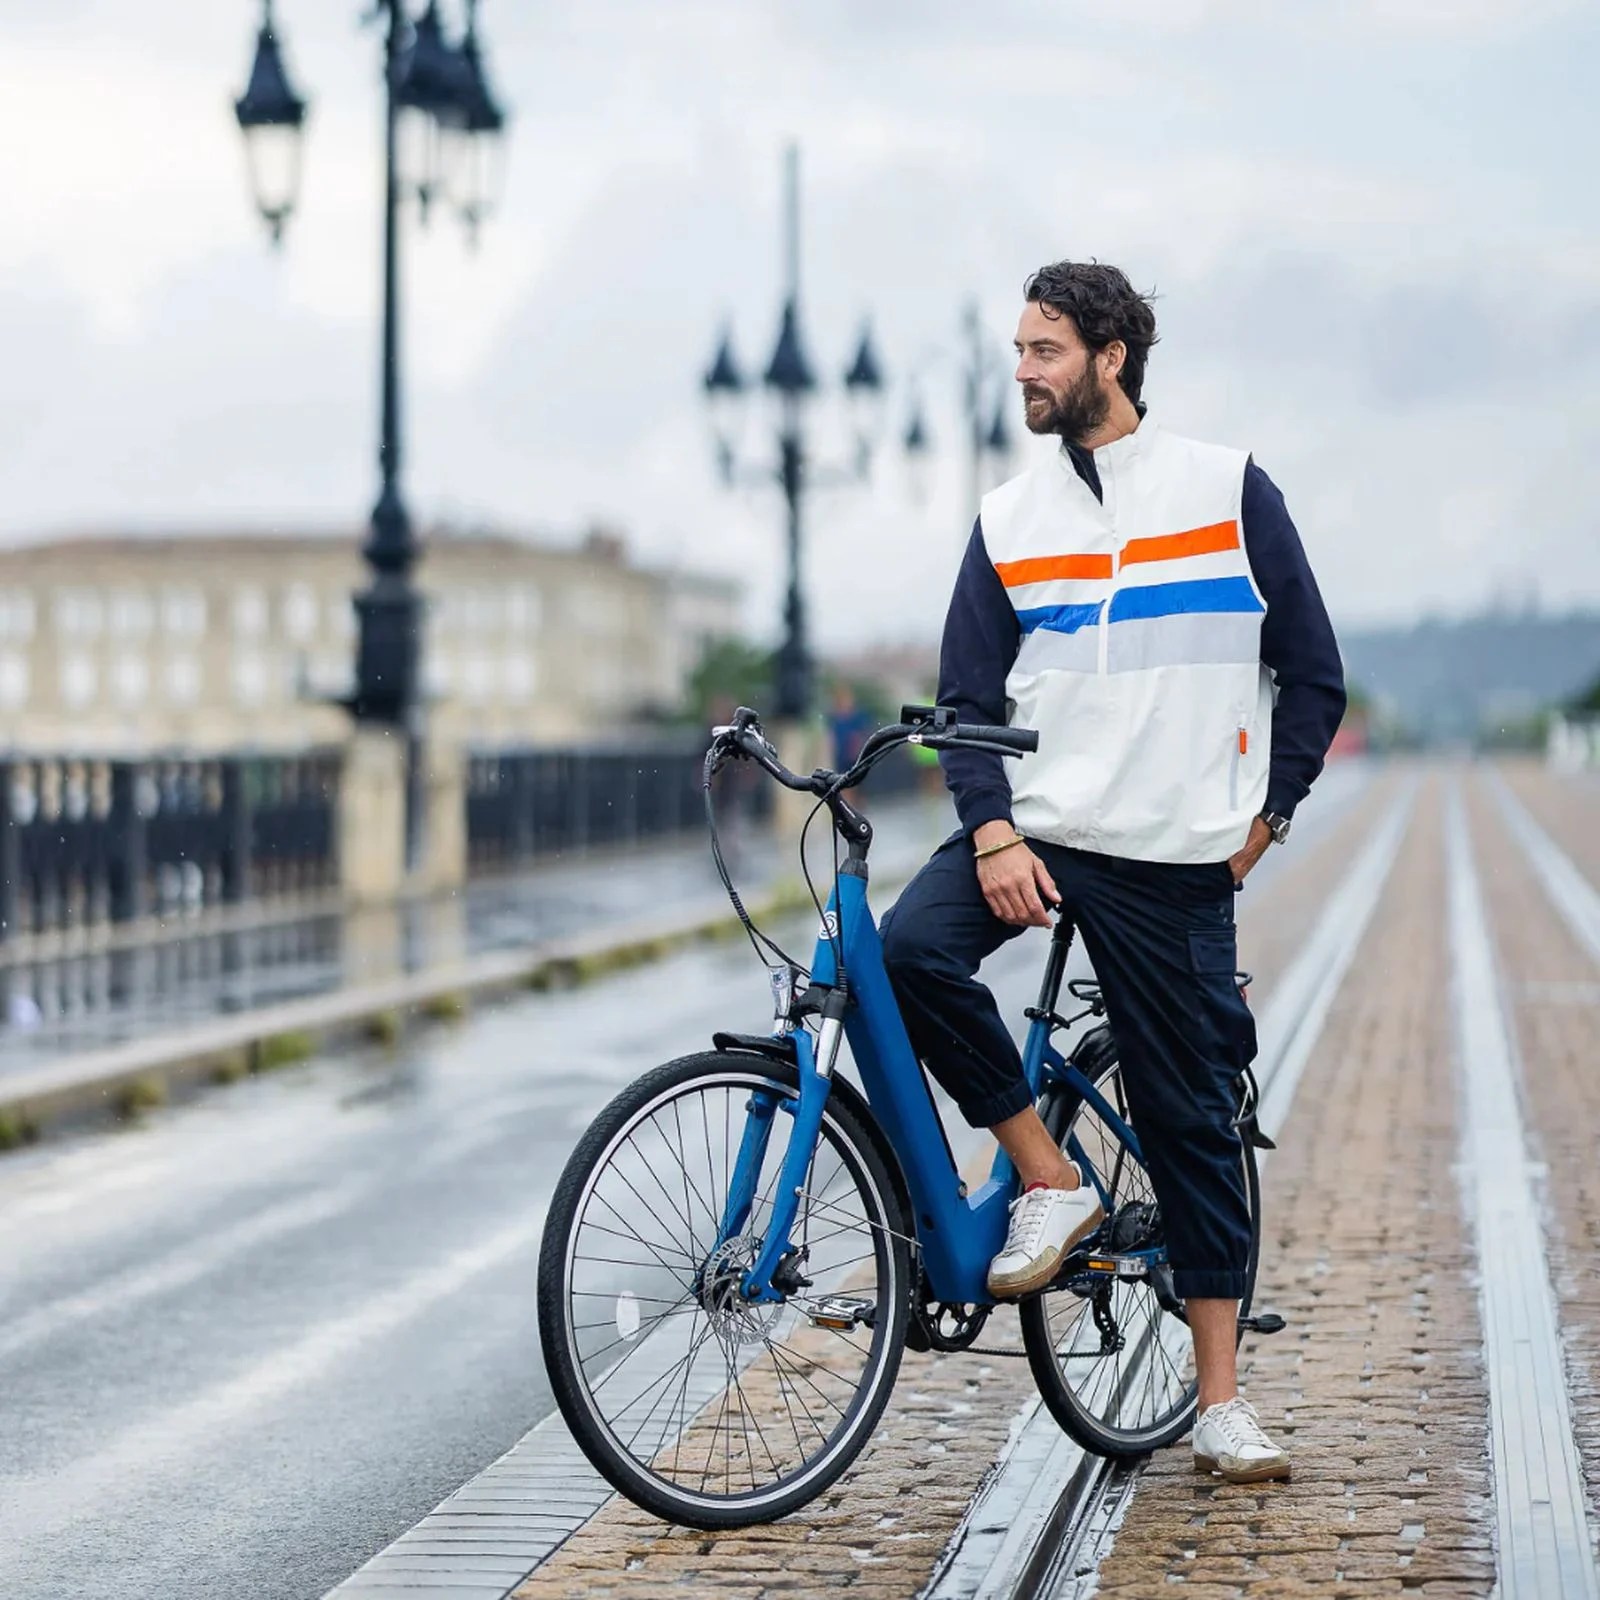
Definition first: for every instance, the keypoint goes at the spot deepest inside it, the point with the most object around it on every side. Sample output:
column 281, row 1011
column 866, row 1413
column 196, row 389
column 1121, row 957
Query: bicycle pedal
column 1109, row 1266
column 1267, row 1322
column 840, row 1316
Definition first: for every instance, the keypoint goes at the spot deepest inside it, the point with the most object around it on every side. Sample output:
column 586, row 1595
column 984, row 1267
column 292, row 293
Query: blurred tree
column 729, row 673
column 1588, row 702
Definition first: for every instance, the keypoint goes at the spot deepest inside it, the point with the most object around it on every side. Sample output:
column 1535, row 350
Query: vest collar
column 1122, row 450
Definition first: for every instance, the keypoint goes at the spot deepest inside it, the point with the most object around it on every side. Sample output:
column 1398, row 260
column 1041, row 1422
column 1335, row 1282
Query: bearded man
column 1143, row 601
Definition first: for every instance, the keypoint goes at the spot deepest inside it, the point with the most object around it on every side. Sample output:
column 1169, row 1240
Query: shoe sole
column 1043, row 1275
column 1265, row 1473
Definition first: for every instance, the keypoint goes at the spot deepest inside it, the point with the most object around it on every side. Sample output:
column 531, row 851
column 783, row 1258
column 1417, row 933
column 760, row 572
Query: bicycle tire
column 653, row 1476
column 1062, row 1113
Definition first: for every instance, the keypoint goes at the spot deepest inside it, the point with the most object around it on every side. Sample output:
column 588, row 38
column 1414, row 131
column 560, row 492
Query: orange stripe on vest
column 1040, row 569
column 1196, row 542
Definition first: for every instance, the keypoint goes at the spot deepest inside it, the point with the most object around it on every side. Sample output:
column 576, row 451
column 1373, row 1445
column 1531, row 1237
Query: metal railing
column 85, row 841
column 529, row 805
column 523, row 805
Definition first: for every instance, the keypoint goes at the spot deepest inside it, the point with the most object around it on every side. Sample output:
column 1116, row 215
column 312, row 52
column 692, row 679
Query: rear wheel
column 698, row 1405
column 1114, row 1367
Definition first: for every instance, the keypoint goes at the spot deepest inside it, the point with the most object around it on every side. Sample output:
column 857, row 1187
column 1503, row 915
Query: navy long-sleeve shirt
column 981, row 637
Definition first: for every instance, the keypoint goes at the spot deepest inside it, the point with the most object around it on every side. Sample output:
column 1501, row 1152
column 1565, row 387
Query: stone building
column 202, row 642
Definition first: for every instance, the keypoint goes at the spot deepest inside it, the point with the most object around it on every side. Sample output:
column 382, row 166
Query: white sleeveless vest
column 1140, row 661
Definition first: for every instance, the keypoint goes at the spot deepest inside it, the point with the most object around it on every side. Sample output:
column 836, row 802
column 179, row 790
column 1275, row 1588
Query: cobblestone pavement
column 1378, row 1384
column 1552, row 989
column 878, row 1533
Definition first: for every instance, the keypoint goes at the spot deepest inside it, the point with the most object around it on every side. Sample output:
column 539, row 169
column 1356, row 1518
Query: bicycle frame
column 958, row 1233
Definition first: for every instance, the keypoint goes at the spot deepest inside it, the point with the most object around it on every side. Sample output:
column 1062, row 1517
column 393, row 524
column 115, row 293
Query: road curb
column 126, row 1078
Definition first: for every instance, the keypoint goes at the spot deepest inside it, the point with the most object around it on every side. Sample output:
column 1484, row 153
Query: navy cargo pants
column 1161, row 938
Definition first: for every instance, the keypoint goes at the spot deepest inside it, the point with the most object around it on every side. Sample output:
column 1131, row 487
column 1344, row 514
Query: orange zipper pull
column 1244, row 741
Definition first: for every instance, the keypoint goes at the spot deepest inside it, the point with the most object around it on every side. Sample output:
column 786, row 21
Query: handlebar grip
column 1023, row 740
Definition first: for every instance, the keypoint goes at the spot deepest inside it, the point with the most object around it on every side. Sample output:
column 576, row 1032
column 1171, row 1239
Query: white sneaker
column 1228, row 1439
column 1045, row 1224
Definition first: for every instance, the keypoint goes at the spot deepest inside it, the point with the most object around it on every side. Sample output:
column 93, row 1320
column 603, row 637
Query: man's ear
column 1112, row 359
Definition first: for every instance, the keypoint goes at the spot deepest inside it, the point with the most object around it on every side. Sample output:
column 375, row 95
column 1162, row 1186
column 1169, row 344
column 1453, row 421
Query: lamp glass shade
column 273, row 153
column 869, row 413
column 419, row 153
column 476, row 174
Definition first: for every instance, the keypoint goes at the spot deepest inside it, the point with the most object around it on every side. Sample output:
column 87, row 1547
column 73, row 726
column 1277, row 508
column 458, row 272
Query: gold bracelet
column 995, row 849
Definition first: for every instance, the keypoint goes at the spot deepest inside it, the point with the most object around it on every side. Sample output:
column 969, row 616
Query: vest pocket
column 1241, row 748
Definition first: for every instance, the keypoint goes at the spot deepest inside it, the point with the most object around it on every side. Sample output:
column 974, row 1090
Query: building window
column 132, row 614
column 183, row 612
column 437, row 672
column 16, row 616
column 477, row 678
column 132, row 679
column 250, row 679
column 79, row 680
column 13, row 680
column 517, row 677
column 249, row 612
column 183, row 680
column 78, row 613
column 300, row 612
column 522, row 608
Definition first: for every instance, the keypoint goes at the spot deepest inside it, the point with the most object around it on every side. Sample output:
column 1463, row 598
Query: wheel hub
column 734, row 1319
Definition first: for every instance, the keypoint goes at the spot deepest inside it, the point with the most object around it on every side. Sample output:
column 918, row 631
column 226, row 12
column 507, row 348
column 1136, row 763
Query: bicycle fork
column 816, row 1063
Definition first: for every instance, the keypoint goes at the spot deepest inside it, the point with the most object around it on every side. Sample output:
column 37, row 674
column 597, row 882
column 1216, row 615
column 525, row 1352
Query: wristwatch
column 1276, row 825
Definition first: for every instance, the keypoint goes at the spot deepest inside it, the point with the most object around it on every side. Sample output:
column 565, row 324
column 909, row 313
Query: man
column 1143, row 601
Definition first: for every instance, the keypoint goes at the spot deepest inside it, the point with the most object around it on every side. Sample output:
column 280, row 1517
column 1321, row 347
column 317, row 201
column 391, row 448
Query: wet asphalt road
column 245, row 1345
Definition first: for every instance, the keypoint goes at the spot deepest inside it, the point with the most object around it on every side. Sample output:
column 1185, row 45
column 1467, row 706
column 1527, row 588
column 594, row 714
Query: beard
column 1074, row 413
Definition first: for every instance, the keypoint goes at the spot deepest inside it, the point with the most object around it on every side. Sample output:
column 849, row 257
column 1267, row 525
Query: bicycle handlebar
column 933, row 726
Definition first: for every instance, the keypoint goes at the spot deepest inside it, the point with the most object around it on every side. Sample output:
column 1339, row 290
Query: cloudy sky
column 1374, row 226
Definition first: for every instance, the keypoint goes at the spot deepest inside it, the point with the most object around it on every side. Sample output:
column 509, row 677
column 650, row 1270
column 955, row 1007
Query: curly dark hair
column 1104, row 307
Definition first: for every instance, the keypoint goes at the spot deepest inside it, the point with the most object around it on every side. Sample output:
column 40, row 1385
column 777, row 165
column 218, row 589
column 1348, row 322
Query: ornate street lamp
column 431, row 90
column 272, row 117
column 792, row 382
column 985, row 394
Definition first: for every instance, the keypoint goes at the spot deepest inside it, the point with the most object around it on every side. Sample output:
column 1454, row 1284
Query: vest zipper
column 1108, row 500
column 1241, row 746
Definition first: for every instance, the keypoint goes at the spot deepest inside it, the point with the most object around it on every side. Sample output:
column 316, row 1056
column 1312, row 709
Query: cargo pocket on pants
column 1214, row 958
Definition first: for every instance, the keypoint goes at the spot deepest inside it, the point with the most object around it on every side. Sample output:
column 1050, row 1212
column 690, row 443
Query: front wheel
column 1114, row 1367
column 698, row 1405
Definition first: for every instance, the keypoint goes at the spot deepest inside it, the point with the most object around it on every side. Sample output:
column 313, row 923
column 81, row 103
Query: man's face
column 1064, row 386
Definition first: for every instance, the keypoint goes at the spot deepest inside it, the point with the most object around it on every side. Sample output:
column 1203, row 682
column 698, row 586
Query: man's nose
column 1026, row 372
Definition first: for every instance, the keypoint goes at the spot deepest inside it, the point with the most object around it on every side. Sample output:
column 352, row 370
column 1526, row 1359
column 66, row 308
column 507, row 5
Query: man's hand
column 1014, row 881
column 1254, row 848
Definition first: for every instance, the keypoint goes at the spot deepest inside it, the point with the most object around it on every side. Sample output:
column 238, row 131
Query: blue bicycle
column 743, row 1243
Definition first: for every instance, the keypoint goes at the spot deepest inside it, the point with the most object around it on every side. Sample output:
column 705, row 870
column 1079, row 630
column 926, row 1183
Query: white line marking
column 38, row 1505
column 176, row 1270
column 134, row 1174
column 1293, row 1018
column 1543, row 1540
column 1575, row 897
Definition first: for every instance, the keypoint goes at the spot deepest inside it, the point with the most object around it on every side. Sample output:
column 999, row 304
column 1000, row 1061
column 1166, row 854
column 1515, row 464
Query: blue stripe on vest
column 1061, row 619
column 1173, row 599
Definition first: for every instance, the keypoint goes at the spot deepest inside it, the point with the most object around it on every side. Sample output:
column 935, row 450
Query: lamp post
column 438, row 105
column 984, row 382
column 792, row 382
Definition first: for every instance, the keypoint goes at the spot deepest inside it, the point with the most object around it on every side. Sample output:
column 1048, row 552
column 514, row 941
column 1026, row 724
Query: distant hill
column 1452, row 680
